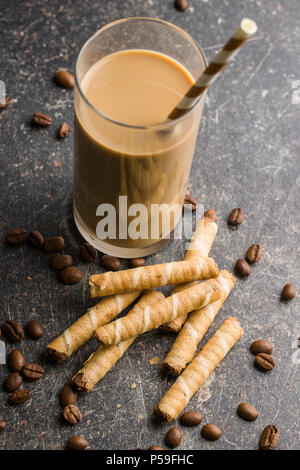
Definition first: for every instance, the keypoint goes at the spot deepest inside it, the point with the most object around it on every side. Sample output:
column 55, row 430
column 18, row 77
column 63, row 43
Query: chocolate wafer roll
column 186, row 385
column 82, row 330
column 195, row 327
column 147, row 277
column 153, row 316
column 101, row 361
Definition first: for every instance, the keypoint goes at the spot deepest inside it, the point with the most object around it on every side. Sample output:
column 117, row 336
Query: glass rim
column 119, row 123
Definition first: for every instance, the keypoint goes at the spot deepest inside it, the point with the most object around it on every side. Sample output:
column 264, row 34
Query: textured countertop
column 247, row 156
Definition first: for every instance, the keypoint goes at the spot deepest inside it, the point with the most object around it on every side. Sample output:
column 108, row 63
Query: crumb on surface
column 154, row 360
column 118, row 405
column 133, row 386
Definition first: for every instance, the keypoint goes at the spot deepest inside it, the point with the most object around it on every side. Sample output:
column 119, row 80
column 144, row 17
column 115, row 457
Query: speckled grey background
column 247, row 156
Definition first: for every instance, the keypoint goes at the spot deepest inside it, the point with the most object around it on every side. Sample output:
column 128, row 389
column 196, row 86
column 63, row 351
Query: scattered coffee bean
column 6, row 103
column 19, row 397
column 236, row 216
column 70, row 275
column 155, row 448
column 41, row 119
column 64, row 130
column 173, row 437
column 67, row 396
column 2, row 425
column 254, row 253
column 211, row 432
column 16, row 236
column 15, row 360
column 34, row 329
column 269, row 438
column 242, row 268
column 211, row 214
column 247, row 412
column 72, row 414
column 137, row 262
column 36, row 238
column 32, row 371
column 12, row 382
column 77, row 443
column 59, row 262
column 190, row 201
column 64, row 79
column 288, row 292
column 261, row 346
column 265, row 361
column 181, row 5
column 88, row 252
column 13, row 331
column 191, row 418
column 54, row 244
column 110, row 263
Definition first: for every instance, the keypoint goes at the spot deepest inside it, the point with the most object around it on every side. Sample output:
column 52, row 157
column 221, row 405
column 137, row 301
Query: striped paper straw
column 245, row 31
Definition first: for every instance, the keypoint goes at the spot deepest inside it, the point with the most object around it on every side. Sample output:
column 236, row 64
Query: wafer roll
column 153, row 316
column 82, row 330
column 199, row 246
column 186, row 385
column 147, row 277
column 101, row 361
column 195, row 327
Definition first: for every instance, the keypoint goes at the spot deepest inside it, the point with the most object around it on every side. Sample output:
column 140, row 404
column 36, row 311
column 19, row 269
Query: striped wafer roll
column 147, row 277
column 185, row 345
column 187, row 384
column 199, row 246
column 245, row 31
column 82, row 330
column 151, row 317
column 101, row 361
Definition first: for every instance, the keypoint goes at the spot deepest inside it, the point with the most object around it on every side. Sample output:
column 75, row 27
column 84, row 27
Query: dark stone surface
column 247, row 156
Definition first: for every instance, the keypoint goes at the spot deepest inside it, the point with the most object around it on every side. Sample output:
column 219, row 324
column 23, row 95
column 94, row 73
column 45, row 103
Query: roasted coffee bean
column 64, row 130
column 190, row 201
column 16, row 236
column 242, row 268
column 54, row 244
column 12, row 382
column 181, row 5
column 34, row 329
column 88, row 252
column 173, row 437
column 41, row 119
column 7, row 102
column 211, row 214
column 191, row 418
column 155, row 448
column 13, row 331
column 269, row 437
column 72, row 414
column 261, row 346
column 2, row 425
column 137, row 262
column 67, row 396
column 211, row 432
column 59, row 262
column 36, row 238
column 19, row 397
column 288, row 292
column 254, row 253
column 77, row 443
column 64, row 79
column 70, row 275
column 265, row 361
column 236, row 216
column 32, row 371
column 110, row 263
column 15, row 360
column 247, row 412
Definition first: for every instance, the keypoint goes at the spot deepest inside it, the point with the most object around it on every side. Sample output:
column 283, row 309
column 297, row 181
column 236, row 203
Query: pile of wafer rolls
column 199, row 292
